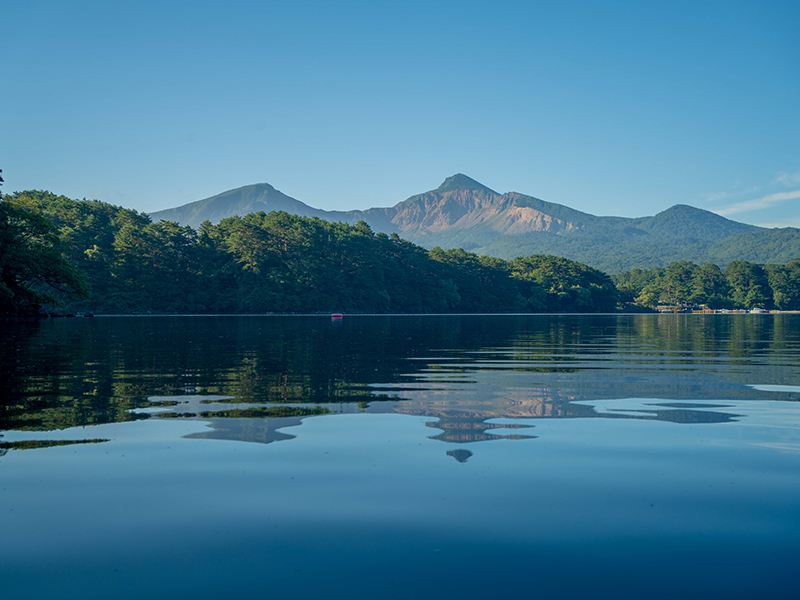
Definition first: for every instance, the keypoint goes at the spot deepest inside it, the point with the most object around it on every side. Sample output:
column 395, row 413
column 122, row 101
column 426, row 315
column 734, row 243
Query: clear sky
column 613, row 108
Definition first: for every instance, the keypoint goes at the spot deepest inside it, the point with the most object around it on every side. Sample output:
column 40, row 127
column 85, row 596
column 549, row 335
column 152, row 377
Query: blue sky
column 613, row 108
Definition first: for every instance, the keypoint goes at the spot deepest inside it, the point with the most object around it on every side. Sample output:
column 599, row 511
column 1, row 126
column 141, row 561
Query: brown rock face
column 436, row 212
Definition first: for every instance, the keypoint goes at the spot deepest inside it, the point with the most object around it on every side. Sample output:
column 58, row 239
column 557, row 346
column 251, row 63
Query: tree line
column 90, row 256
column 741, row 284
column 95, row 257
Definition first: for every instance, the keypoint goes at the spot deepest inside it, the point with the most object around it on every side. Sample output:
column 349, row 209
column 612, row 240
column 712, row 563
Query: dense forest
column 741, row 284
column 95, row 257
column 90, row 256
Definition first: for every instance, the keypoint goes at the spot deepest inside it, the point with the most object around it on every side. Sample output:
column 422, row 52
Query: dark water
column 395, row 457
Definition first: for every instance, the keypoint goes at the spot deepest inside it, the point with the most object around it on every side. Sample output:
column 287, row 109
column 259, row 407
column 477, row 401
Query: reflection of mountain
column 463, row 418
column 461, row 456
column 463, row 370
column 262, row 431
column 463, row 414
column 494, row 403
column 466, row 429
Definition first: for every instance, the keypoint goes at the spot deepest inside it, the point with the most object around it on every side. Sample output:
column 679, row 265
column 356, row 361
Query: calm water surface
column 396, row 457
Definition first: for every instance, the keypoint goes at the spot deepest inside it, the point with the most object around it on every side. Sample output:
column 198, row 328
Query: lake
column 568, row 456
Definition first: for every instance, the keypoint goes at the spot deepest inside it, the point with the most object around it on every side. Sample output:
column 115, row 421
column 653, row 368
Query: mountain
column 243, row 200
column 463, row 204
column 463, row 213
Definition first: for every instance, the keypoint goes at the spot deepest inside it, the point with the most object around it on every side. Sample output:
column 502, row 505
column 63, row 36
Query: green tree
column 784, row 281
column 710, row 287
column 677, row 283
column 481, row 283
column 749, row 285
column 568, row 286
column 33, row 271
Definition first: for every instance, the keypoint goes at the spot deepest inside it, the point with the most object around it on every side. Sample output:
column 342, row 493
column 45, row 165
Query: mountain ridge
column 240, row 201
column 464, row 213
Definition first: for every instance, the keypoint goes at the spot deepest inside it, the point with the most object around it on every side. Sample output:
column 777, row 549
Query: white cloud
column 758, row 203
column 752, row 190
column 792, row 222
column 714, row 196
column 788, row 179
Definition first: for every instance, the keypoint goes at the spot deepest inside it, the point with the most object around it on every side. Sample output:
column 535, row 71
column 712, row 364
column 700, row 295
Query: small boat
column 337, row 316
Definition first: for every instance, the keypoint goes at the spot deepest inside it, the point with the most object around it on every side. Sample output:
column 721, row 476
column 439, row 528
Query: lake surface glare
column 554, row 456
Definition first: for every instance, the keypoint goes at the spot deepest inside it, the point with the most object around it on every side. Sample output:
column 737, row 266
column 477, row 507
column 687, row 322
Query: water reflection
column 464, row 371
column 460, row 455
column 657, row 464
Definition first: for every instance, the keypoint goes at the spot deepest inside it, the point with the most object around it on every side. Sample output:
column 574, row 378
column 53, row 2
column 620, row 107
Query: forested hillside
column 89, row 256
column 276, row 262
column 741, row 284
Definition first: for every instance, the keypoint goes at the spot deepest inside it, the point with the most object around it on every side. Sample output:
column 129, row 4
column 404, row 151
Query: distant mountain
column 463, row 213
column 243, row 200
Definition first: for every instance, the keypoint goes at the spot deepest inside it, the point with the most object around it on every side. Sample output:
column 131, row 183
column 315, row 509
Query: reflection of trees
column 53, row 378
column 66, row 373
column 679, row 356
column 31, row 444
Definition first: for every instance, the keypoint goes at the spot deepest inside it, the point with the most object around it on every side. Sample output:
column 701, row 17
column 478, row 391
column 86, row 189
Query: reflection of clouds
column 784, row 447
column 776, row 388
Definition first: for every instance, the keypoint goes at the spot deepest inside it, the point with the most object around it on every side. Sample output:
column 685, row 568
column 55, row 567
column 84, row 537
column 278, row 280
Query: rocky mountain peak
column 459, row 181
